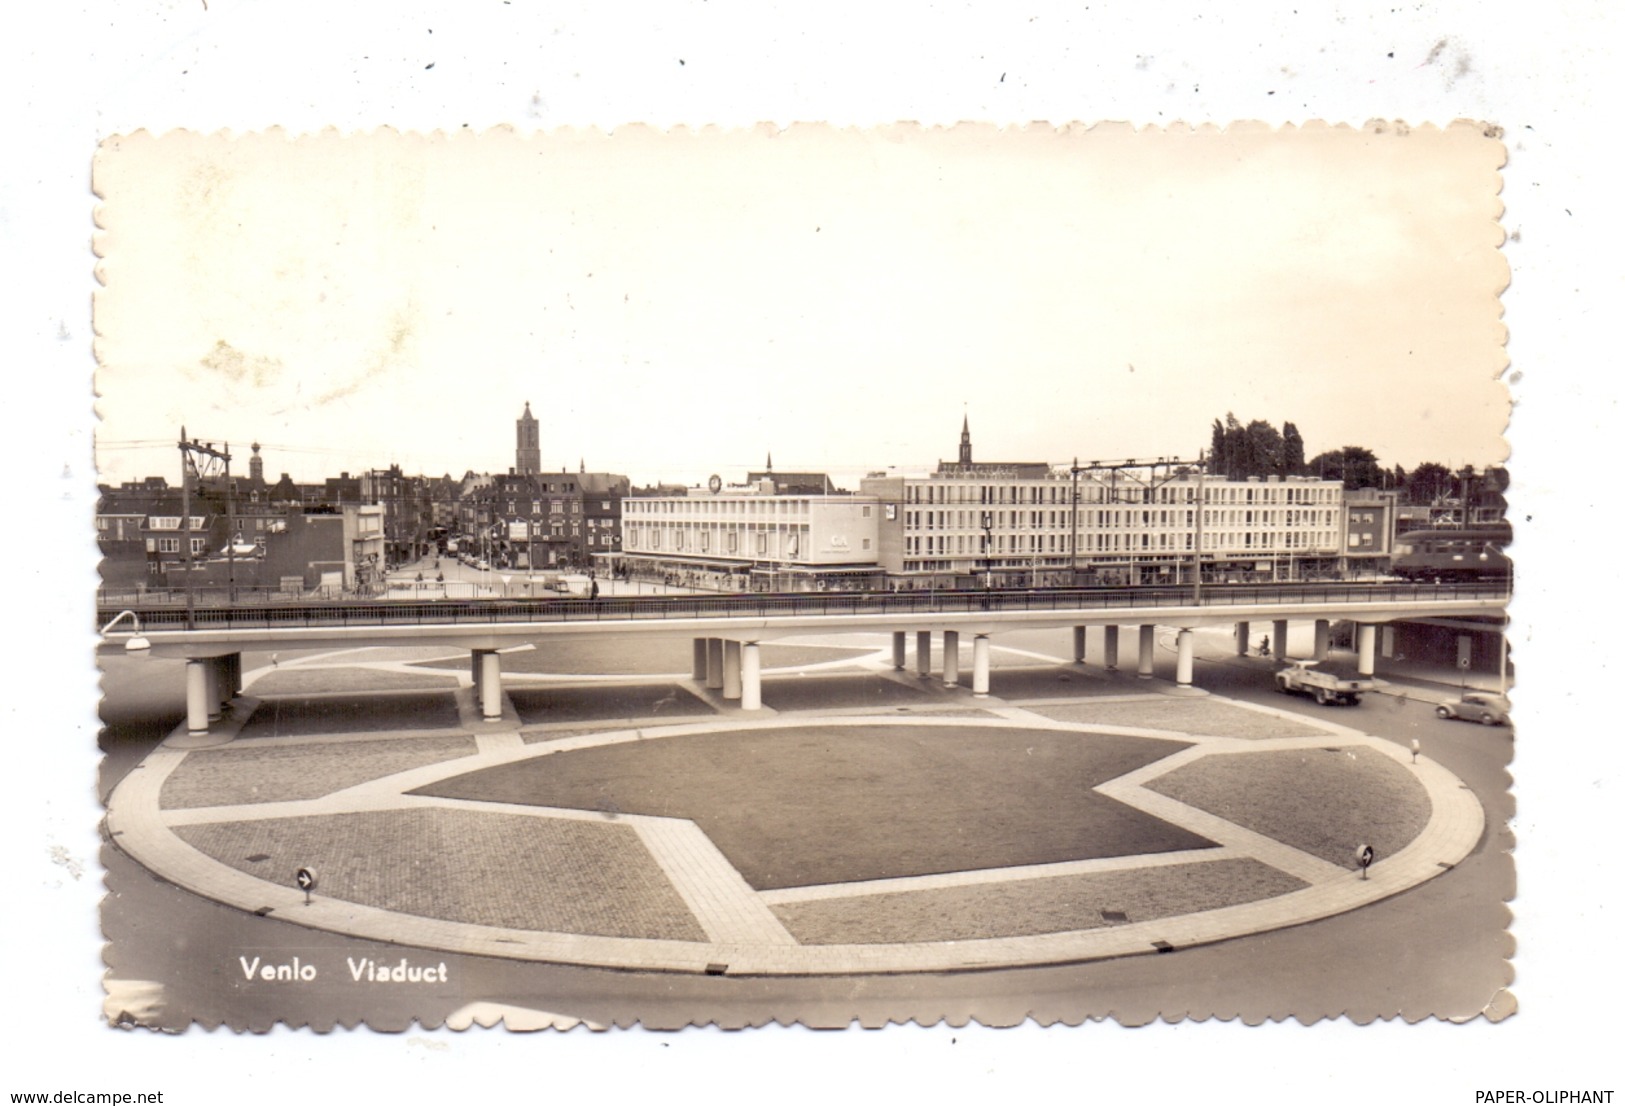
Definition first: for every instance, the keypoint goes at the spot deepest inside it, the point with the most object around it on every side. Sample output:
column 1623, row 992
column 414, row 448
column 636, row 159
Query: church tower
column 256, row 468
column 964, row 442
column 528, row 457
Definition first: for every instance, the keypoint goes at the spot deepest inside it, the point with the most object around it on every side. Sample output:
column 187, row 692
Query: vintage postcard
column 803, row 575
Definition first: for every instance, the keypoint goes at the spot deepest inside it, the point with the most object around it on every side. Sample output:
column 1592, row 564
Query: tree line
column 1238, row 451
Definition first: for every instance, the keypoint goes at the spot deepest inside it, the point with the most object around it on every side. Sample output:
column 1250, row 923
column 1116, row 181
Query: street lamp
column 137, row 643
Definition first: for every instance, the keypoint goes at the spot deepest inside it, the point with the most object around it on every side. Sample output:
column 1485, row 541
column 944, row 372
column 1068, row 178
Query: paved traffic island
column 1326, row 801
column 1024, row 908
column 794, row 806
column 479, row 868
column 265, row 772
column 799, row 845
column 1206, row 716
column 350, row 712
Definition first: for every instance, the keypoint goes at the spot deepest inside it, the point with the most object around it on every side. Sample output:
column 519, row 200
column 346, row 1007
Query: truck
column 1303, row 678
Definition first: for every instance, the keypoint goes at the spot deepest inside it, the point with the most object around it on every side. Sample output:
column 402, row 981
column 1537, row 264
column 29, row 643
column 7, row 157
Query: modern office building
column 753, row 538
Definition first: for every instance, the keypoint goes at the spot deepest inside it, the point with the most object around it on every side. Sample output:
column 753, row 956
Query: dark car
column 1477, row 706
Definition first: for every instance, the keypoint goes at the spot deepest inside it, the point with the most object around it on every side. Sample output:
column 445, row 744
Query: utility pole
column 190, row 469
column 1201, row 473
column 1075, row 471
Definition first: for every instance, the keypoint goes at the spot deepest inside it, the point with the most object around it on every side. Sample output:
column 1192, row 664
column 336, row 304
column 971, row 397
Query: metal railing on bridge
column 261, row 615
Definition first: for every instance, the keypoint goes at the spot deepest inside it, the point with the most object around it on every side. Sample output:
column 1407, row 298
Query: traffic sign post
column 306, row 879
column 1365, row 854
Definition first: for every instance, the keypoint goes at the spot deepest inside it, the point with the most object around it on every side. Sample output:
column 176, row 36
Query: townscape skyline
column 307, row 464
column 674, row 305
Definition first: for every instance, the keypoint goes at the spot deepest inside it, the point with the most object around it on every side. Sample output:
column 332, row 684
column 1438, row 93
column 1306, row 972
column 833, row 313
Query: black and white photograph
column 724, row 551
column 825, row 574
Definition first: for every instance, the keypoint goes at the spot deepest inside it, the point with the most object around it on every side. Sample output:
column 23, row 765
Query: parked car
column 1477, row 706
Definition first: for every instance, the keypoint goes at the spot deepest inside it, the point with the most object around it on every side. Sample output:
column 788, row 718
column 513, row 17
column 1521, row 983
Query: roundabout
column 804, row 844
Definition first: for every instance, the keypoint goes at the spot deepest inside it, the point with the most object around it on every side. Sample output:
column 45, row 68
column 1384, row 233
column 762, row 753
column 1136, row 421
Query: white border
column 1547, row 73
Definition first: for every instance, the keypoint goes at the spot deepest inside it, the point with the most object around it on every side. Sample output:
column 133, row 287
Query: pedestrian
column 593, row 593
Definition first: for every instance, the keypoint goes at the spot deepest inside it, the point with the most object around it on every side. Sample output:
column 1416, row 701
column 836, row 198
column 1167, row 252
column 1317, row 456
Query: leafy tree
column 1265, row 450
column 1427, row 482
column 1356, row 466
column 1291, row 450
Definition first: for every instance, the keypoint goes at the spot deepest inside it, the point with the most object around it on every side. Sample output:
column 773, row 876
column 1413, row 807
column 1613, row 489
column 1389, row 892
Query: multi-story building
column 753, row 539
column 601, row 496
column 1371, row 521
column 1027, row 524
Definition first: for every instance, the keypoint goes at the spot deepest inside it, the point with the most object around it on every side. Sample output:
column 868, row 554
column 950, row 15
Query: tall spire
column 770, row 460
column 528, row 455
column 964, row 441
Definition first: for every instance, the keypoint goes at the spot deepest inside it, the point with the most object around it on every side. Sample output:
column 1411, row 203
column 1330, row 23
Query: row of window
column 1059, row 491
column 727, row 542
column 1034, row 544
column 713, row 508
column 173, row 545
column 1061, row 521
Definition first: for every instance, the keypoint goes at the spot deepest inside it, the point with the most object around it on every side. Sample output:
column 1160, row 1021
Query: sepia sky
column 674, row 305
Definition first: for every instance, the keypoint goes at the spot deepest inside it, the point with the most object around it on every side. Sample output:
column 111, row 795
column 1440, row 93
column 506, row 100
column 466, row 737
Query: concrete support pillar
column 699, row 660
column 491, row 685
column 950, row 658
column 899, row 650
column 750, row 676
column 1366, row 642
column 1111, row 648
column 476, row 668
column 224, row 688
column 1187, row 657
column 1323, row 638
column 730, row 669
column 922, row 652
column 211, row 687
column 235, row 683
column 197, row 697
column 1244, row 638
column 1148, row 652
column 713, row 663
column 1278, row 642
column 1080, row 639
column 981, row 650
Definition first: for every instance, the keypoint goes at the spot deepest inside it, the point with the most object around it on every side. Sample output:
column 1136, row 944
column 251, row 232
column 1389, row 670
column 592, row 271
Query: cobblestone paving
column 872, row 692
column 1326, row 802
column 240, row 773
column 1052, row 682
column 406, row 711
column 604, row 702
column 1195, row 716
column 314, row 681
column 1047, row 905
column 490, row 869
column 832, row 803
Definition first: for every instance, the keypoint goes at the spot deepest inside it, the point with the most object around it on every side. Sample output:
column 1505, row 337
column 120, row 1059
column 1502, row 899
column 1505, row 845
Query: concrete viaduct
column 727, row 630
